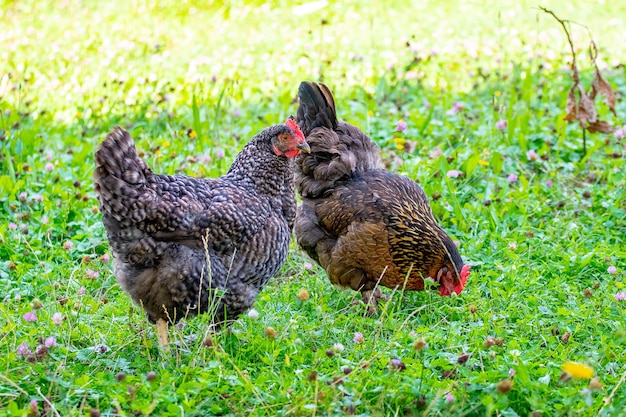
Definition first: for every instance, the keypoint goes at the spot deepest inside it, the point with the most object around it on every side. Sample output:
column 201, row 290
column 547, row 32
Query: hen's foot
column 163, row 334
column 371, row 299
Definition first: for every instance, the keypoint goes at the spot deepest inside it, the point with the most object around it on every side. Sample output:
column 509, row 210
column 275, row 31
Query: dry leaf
column 599, row 126
column 586, row 108
column 571, row 104
column 602, row 86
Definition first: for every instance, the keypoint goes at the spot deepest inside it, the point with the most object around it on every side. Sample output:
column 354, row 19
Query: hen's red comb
column 465, row 271
column 291, row 124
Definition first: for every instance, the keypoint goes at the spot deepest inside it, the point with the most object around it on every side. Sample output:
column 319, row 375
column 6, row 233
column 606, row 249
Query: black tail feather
column 317, row 107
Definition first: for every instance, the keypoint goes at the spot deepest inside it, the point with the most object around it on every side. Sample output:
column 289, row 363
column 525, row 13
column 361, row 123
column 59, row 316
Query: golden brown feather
column 365, row 226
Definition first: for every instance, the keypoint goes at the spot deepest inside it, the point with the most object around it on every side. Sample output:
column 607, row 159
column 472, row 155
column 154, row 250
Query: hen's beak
column 303, row 147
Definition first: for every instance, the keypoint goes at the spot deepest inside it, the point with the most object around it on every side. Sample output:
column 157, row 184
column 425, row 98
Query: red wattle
column 465, row 271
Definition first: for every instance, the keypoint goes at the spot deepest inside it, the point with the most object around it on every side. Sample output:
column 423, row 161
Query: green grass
column 540, row 286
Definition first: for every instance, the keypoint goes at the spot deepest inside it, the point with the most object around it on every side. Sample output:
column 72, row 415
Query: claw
column 371, row 299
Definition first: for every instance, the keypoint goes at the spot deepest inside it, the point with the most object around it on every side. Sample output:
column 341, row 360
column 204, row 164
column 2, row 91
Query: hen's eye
column 283, row 137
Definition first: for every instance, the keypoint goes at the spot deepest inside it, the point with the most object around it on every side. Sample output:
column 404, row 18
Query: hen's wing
column 341, row 232
column 218, row 212
column 367, row 230
column 143, row 212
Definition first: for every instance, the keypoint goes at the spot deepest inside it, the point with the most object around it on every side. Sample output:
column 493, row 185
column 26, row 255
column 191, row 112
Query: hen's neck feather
column 270, row 174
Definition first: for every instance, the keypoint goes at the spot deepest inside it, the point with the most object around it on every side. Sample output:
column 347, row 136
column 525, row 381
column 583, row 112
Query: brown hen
column 364, row 225
column 185, row 245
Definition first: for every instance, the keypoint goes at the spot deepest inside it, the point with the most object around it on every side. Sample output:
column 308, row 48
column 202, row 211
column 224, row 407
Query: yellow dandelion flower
column 483, row 163
column 578, row 370
column 79, row 115
column 166, row 143
column 399, row 147
column 398, row 140
column 370, row 113
column 192, row 133
column 497, row 93
column 485, row 152
column 158, row 152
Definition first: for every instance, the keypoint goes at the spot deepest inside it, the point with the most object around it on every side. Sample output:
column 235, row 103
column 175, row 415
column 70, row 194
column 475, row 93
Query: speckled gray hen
column 165, row 230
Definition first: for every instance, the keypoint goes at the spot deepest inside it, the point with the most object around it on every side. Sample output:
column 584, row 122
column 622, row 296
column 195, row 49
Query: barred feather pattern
column 362, row 224
column 184, row 245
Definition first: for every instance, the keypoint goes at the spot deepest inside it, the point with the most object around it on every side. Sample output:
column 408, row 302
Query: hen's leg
column 163, row 334
column 371, row 298
column 370, row 301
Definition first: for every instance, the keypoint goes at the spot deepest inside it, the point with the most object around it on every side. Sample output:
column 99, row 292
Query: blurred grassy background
column 82, row 66
column 67, row 48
